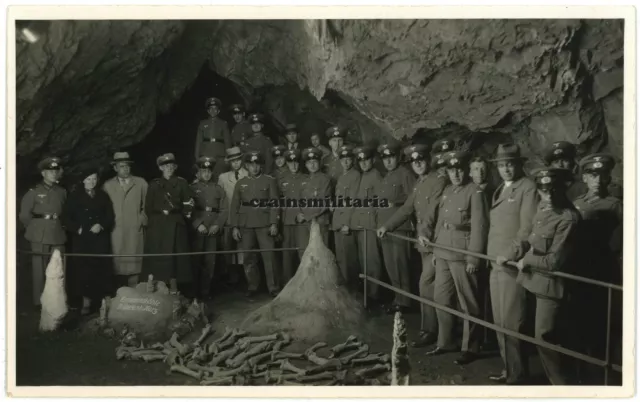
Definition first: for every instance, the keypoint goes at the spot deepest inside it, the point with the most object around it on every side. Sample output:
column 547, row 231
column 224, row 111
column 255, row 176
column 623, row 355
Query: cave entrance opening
column 175, row 130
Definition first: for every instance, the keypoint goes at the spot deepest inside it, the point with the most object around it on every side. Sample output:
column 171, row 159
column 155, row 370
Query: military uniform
column 210, row 210
column 549, row 248
column 600, row 242
column 511, row 220
column 365, row 218
column 254, row 222
column 462, row 222
column 317, row 186
column 213, row 138
column 345, row 244
column 40, row 212
column 396, row 187
column 291, row 189
column 332, row 165
column 241, row 131
column 421, row 203
column 167, row 206
column 261, row 143
column 276, row 152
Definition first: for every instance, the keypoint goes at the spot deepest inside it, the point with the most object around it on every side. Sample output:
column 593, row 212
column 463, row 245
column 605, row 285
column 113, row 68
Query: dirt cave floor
column 75, row 357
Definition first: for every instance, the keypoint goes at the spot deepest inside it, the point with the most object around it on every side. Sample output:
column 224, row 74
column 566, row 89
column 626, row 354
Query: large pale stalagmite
column 315, row 304
column 54, row 298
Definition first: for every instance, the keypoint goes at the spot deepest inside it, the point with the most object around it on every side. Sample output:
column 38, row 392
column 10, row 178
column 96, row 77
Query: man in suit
column 549, row 247
column 462, row 222
column 512, row 209
column 291, row 134
column 254, row 225
column 228, row 181
column 316, row 142
column 213, row 136
column 40, row 212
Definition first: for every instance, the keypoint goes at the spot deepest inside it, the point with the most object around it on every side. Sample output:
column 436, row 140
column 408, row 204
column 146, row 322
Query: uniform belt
column 537, row 252
column 212, row 140
column 208, row 209
column 461, row 228
column 170, row 212
column 45, row 216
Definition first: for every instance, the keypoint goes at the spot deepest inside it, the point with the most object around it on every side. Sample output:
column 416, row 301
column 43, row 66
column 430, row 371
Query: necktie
column 237, row 175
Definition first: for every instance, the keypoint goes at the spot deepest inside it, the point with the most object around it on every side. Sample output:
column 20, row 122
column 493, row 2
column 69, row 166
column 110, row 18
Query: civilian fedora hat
column 506, row 152
column 233, row 154
column 121, row 157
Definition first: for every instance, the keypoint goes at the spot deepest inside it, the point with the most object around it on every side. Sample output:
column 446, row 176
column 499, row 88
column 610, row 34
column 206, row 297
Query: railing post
column 607, row 351
column 364, row 263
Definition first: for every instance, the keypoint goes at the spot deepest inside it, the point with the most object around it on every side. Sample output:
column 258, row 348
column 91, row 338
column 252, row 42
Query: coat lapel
column 499, row 195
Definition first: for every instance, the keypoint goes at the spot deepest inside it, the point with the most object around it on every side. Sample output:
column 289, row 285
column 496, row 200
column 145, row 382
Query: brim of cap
column 508, row 158
column 166, row 162
column 122, row 161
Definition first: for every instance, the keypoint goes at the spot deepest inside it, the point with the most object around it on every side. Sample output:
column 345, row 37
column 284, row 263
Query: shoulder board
column 571, row 215
column 181, row 178
column 269, row 176
column 156, row 180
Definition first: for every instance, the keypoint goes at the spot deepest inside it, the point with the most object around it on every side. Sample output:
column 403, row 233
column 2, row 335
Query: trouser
column 260, row 237
column 304, row 231
column 347, row 257
column 39, row 266
column 369, row 248
column 232, row 260
column 453, row 280
column 290, row 259
column 509, row 303
column 204, row 265
column 220, row 167
column 548, row 328
column 488, row 335
column 127, row 280
column 429, row 321
column 395, row 253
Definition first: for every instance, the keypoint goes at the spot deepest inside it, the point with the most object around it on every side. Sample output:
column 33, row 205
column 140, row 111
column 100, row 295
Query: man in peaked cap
column 516, row 197
column 364, row 218
column 332, row 164
column 242, row 129
column 600, row 258
column 421, row 203
column 549, row 248
column 291, row 134
column 562, row 154
column 254, row 224
column 40, row 212
column 314, row 190
column 462, row 222
column 169, row 204
column 208, row 219
column 291, row 189
column 396, row 187
column 442, row 146
column 228, row 181
column 128, row 194
column 213, row 136
column 346, row 248
column 260, row 142
column 281, row 169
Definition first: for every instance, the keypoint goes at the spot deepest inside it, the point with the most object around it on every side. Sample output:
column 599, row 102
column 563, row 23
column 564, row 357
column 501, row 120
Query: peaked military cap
column 213, row 101
column 388, row 150
column 292, row 155
column 255, row 118
column 291, row 127
column 311, row 153
column 278, row 150
column 363, row 153
column 50, row 163
column 597, row 163
column 549, row 177
column 416, row 152
column 334, row 132
column 442, row 146
column 560, row 150
column 438, row 160
column 165, row 159
column 205, row 162
column 237, row 108
column 345, row 151
column 457, row 159
column 254, row 157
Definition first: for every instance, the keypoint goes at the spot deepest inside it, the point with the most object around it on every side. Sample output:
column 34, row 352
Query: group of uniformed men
column 444, row 198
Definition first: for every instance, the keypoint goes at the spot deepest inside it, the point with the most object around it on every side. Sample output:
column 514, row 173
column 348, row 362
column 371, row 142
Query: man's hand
column 213, row 230
column 500, row 260
column 235, row 233
column 202, row 229
column 520, row 265
column 191, row 202
column 471, row 268
column 424, row 242
column 80, row 231
column 433, row 260
column 344, row 230
column 381, row 232
column 273, row 230
column 96, row 228
column 300, row 217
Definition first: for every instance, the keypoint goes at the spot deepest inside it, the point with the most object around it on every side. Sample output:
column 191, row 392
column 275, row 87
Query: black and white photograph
column 212, row 202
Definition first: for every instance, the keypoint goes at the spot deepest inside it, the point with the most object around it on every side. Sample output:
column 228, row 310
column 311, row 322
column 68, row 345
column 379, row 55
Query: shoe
column 465, row 358
column 250, row 293
column 426, row 339
column 391, row 309
column 438, row 351
column 274, row 293
column 500, row 378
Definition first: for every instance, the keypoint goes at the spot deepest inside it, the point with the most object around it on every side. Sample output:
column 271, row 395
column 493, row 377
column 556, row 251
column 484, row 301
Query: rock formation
column 86, row 88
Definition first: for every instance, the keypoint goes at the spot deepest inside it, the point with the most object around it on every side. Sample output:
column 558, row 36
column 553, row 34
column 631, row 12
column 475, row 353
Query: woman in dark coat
column 90, row 218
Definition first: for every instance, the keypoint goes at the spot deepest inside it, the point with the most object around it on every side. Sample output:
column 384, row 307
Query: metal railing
column 606, row 363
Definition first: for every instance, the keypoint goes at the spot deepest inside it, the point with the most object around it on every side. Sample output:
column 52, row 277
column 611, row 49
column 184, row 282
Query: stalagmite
column 399, row 356
column 315, row 303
